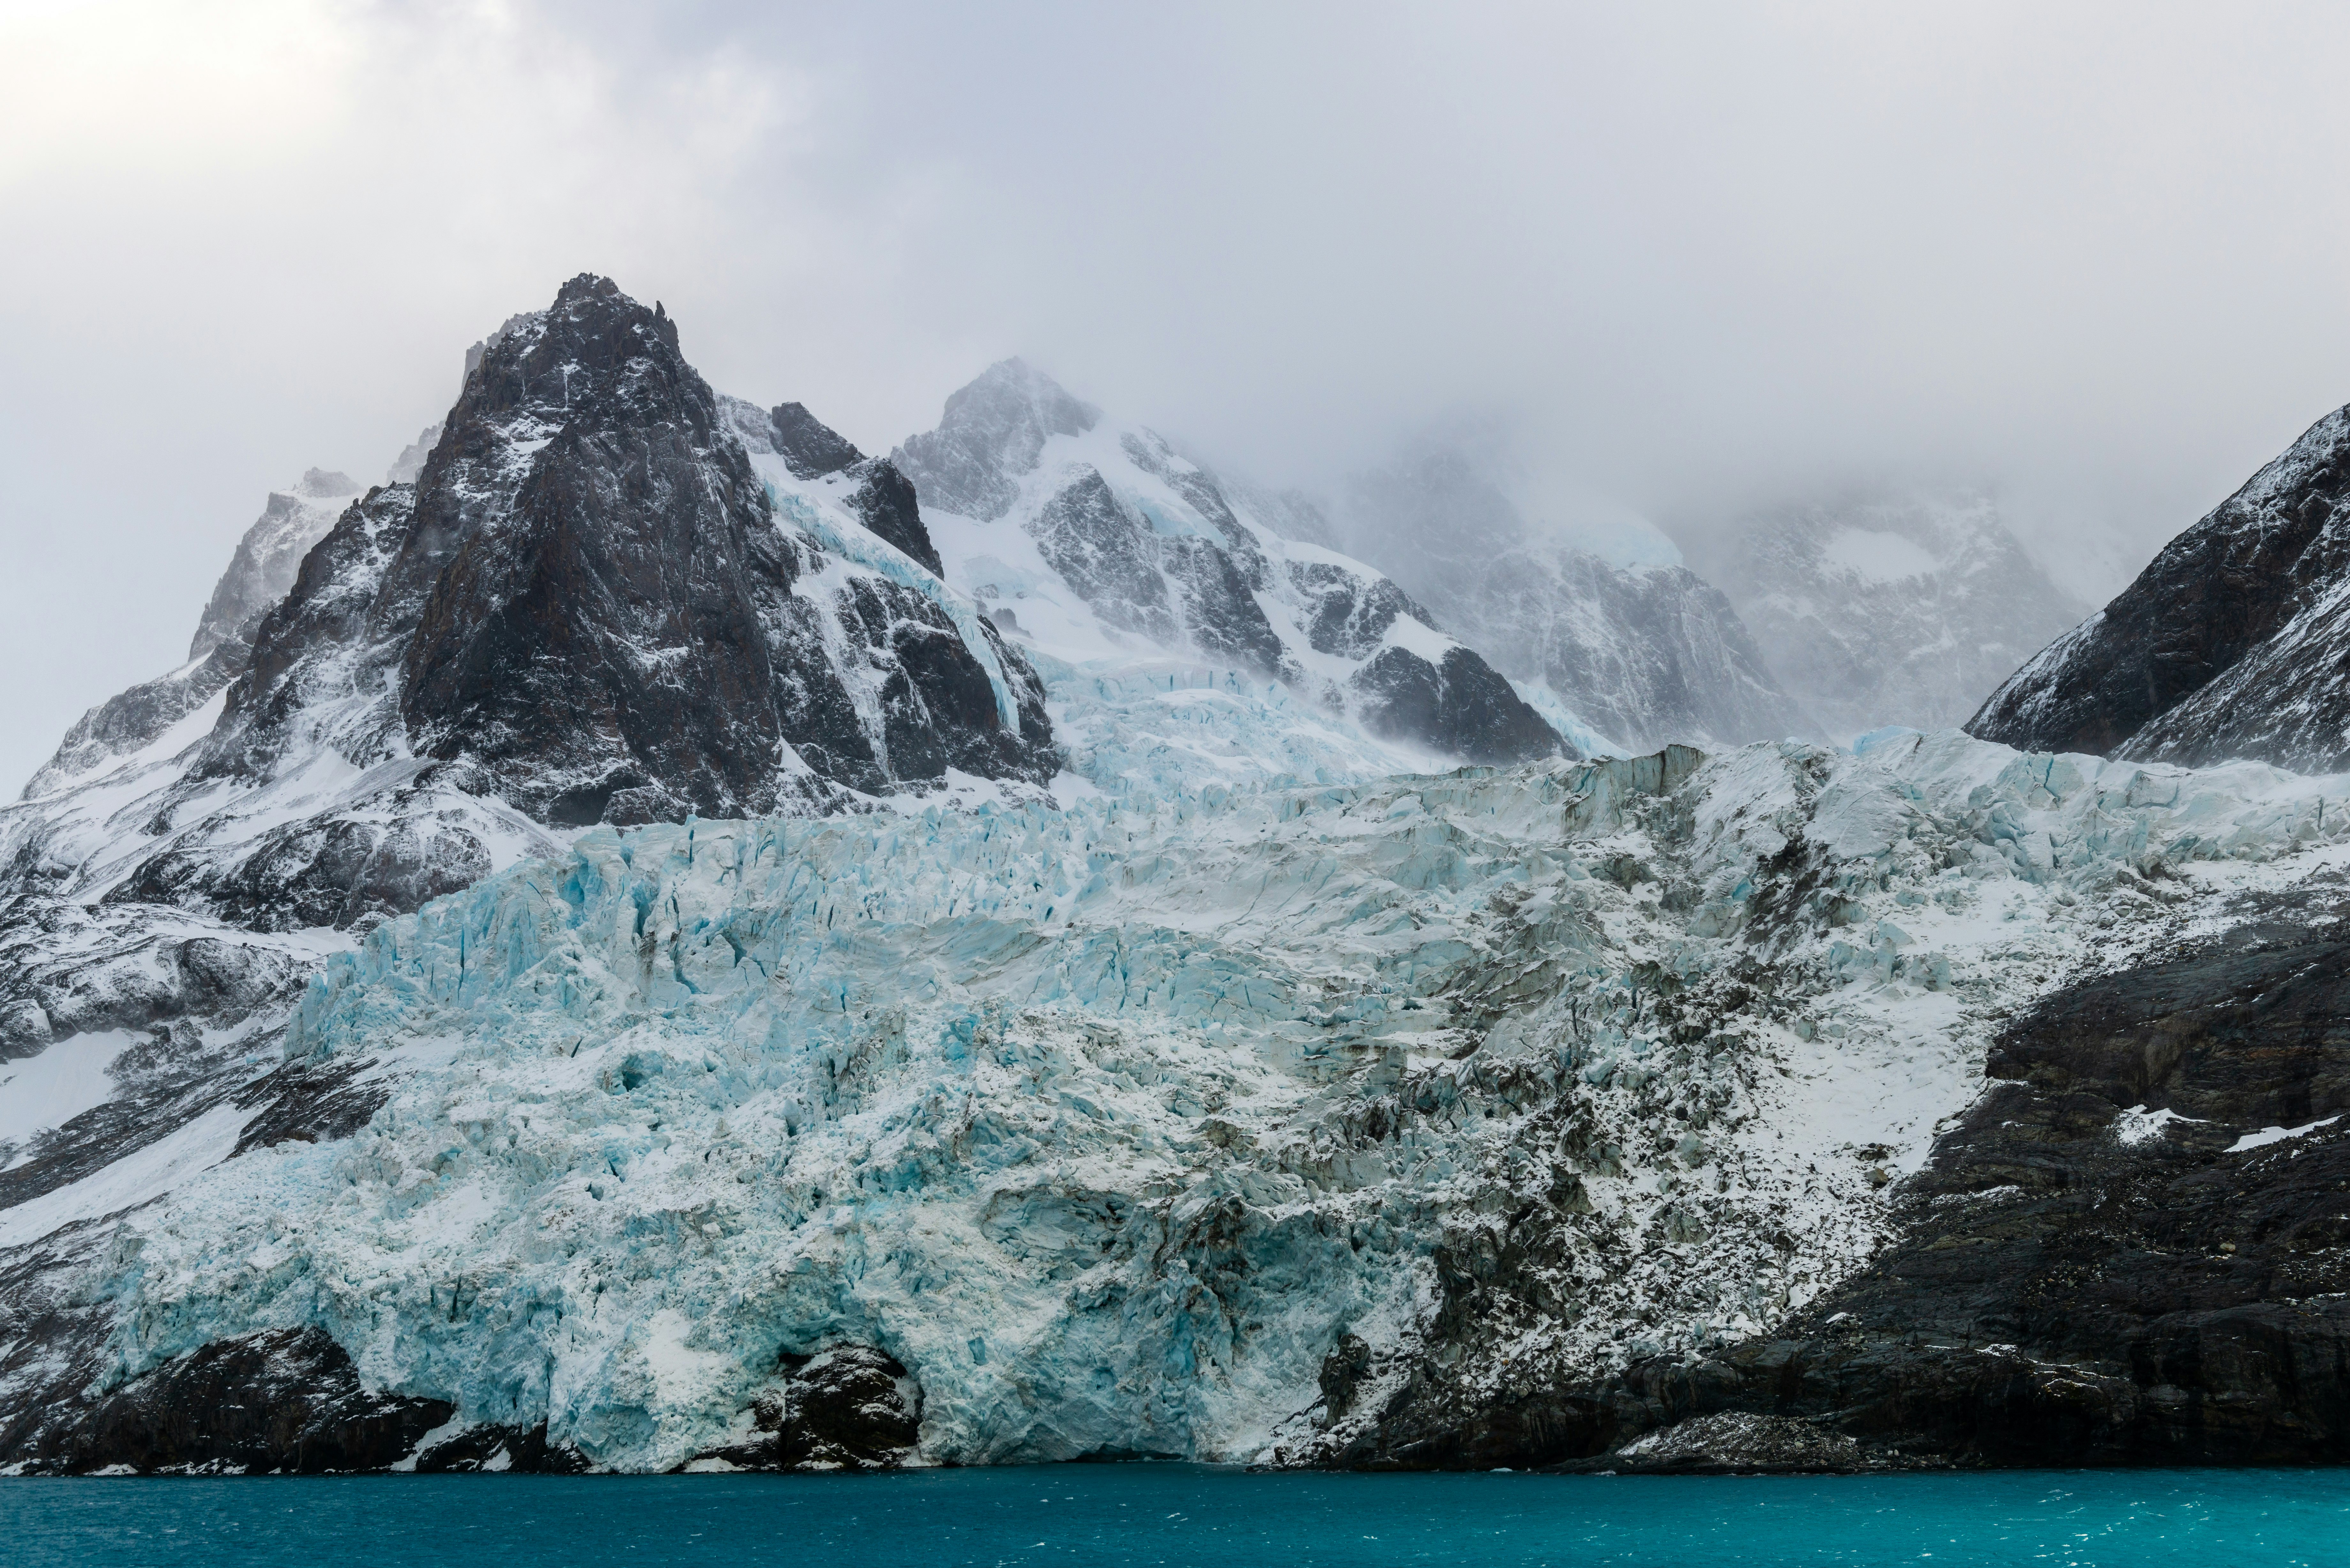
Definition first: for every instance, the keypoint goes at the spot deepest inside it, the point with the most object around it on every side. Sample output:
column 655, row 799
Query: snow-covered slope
column 1175, row 1124
column 1887, row 609
column 2234, row 642
column 1621, row 641
column 1124, row 566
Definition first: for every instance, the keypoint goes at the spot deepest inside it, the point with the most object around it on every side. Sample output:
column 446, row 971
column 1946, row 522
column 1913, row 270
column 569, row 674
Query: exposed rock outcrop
column 2234, row 642
column 847, row 1408
column 284, row 1401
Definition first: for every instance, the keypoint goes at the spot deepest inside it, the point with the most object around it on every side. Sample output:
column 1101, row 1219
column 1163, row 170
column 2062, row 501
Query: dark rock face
column 884, row 500
column 1350, row 617
column 310, row 1101
column 2083, row 1280
column 288, row 1400
column 1459, row 706
column 2234, row 642
column 492, row 1448
column 810, row 447
column 849, row 1408
column 615, row 621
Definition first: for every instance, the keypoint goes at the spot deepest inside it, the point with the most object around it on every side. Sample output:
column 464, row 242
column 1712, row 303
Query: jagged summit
column 1108, row 548
column 2233, row 642
column 993, row 431
column 591, row 605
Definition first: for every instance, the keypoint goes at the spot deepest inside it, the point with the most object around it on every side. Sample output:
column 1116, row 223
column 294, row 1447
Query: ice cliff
column 1191, row 1125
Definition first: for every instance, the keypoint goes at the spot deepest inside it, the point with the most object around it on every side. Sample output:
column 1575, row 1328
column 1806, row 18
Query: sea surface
column 1184, row 1514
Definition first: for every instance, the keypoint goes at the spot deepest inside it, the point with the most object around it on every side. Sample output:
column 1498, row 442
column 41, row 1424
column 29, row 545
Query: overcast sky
column 1693, row 257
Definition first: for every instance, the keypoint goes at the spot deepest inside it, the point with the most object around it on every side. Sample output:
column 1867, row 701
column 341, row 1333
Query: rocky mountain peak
column 2233, row 642
column 323, row 484
column 993, row 432
column 590, row 606
column 807, row 444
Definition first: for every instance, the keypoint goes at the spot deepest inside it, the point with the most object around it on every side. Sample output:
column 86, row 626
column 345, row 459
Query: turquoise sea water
column 1184, row 1514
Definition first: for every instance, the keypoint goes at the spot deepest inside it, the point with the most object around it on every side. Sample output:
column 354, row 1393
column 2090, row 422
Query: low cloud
column 1688, row 258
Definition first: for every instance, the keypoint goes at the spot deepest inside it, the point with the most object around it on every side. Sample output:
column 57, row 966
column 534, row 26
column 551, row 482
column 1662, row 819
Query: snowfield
column 1109, row 1119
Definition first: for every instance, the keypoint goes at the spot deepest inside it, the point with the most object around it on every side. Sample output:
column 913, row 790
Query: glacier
column 1120, row 1121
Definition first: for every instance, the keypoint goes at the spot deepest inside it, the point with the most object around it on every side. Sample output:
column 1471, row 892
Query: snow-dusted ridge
column 1112, row 1123
column 1099, row 546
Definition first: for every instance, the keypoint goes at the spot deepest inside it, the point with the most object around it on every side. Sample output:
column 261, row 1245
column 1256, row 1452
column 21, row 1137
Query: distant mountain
column 1644, row 653
column 258, row 576
column 1095, row 541
column 1887, row 609
column 2234, row 642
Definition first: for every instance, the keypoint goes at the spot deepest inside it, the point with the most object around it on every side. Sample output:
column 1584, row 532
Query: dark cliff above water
column 2090, row 1270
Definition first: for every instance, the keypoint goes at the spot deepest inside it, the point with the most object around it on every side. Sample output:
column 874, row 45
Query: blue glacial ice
column 1106, row 1121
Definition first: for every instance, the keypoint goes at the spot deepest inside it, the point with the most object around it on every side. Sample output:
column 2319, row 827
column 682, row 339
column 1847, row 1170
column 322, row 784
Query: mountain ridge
column 2230, row 643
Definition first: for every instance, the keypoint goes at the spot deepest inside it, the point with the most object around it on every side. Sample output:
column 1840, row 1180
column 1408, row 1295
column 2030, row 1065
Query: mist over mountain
column 1324, row 736
column 1899, row 608
column 1029, row 949
column 1603, row 622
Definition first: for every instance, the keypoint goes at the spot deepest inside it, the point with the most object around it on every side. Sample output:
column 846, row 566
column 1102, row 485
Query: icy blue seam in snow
column 1865, row 743
column 880, row 555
